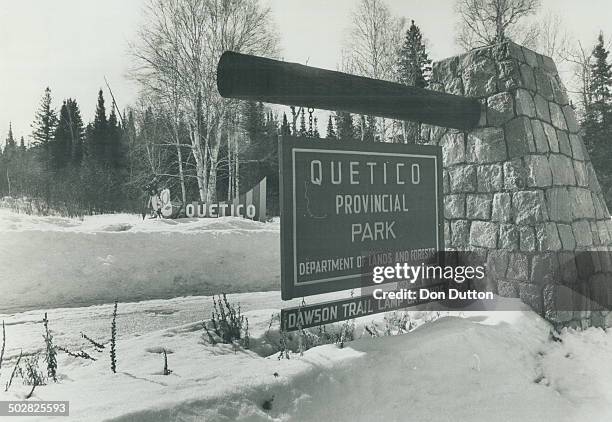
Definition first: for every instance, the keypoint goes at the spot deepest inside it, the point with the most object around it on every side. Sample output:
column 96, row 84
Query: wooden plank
column 307, row 316
column 255, row 78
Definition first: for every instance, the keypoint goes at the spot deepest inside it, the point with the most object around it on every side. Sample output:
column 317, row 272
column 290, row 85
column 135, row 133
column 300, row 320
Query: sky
column 72, row 45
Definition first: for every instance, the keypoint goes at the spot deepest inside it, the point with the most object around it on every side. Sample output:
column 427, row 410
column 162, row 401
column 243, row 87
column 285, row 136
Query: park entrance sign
column 349, row 206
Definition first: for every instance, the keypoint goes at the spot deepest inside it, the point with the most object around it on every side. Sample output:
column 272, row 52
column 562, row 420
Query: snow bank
column 482, row 367
column 55, row 261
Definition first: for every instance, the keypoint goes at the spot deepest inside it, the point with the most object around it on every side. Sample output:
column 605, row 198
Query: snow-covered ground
column 55, row 261
column 469, row 366
column 475, row 365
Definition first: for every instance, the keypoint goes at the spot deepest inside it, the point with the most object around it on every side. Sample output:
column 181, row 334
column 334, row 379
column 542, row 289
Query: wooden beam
column 255, row 78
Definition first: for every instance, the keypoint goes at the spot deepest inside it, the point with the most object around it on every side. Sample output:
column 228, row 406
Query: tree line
column 103, row 166
column 204, row 147
column 77, row 168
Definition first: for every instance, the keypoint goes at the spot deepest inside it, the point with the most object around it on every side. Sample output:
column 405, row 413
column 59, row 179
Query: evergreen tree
column 413, row 65
column 115, row 164
column 60, row 150
column 294, row 117
column 43, row 127
column 271, row 126
column 371, row 133
column 303, row 131
column 8, row 160
column 68, row 144
column 76, row 131
column 597, row 124
column 345, row 129
column 95, row 170
column 285, row 128
column 44, row 122
column 129, row 137
column 331, row 132
column 259, row 155
column 253, row 120
column 98, row 132
column 114, row 140
column 413, row 68
column 316, row 133
column 597, row 116
column 601, row 72
column 10, row 146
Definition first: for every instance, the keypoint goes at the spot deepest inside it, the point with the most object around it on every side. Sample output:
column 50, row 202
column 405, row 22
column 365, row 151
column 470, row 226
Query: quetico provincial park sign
column 349, row 206
column 501, row 138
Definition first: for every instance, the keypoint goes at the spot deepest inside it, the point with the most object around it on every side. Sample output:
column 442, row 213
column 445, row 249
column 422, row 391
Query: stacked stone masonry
column 520, row 190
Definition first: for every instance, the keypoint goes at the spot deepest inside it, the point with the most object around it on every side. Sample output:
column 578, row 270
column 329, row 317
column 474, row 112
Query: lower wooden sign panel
column 306, row 316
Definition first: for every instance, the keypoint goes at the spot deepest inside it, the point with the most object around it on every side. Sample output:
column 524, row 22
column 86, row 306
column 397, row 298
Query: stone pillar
column 520, row 189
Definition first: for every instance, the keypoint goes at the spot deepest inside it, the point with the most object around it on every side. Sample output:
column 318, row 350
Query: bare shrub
column 227, row 324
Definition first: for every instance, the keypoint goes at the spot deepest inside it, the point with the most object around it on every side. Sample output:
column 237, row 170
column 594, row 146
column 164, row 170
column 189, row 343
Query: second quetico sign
column 348, row 206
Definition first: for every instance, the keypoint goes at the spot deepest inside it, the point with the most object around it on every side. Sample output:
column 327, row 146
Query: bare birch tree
column 579, row 60
column 371, row 47
column 179, row 46
column 486, row 22
column 554, row 40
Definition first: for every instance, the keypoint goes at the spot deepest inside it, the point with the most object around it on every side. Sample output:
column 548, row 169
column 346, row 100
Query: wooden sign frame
column 300, row 230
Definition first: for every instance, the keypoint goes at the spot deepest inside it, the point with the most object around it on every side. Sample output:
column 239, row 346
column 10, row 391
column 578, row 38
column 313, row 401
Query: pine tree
column 285, row 128
column 99, row 132
column 413, row 65
column 413, row 68
column 294, row 117
column 113, row 152
column 601, row 81
column 601, row 72
column 316, row 133
column 271, row 126
column 43, row 127
column 597, row 124
column 44, row 122
column 345, row 129
column 10, row 146
column 371, row 131
column 76, row 131
column 128, row 142
column 95, row 170
column 61, row 151
column 331, row 132
column 253, row 120
column 598, row 111
column 303, row 130
column 8, row 160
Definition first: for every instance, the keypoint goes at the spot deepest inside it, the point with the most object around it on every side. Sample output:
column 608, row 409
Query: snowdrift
column 53, row 261
column 483, row 366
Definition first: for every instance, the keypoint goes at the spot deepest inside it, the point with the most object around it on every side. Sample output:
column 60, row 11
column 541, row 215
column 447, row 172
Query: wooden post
column 255, row 78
